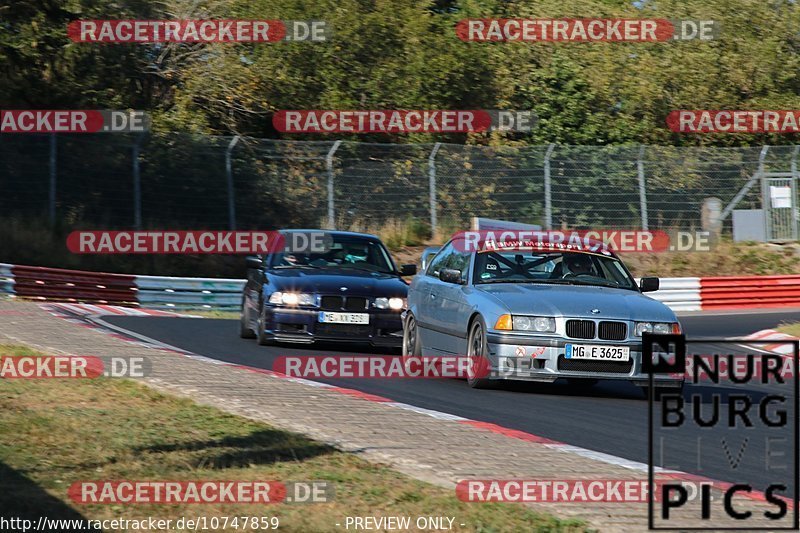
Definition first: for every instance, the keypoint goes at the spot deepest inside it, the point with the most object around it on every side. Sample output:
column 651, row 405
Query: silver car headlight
column 291, row 298
column 395, row 304
column 656, row 327
column 539, row 324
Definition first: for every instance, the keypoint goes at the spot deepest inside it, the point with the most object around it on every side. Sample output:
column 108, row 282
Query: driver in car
column 577, row 264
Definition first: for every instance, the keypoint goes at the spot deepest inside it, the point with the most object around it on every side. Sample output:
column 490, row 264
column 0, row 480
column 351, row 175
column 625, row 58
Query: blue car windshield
column 345, row 252
column 574, row 268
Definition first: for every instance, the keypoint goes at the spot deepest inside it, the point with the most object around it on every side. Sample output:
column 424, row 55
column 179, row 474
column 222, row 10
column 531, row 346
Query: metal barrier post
column 137, row 185
column 432, row 186
column 642, row 189
column 793, row 184
column 229, row 179
column 51, row 198
column 329, row 168
column 548, row 196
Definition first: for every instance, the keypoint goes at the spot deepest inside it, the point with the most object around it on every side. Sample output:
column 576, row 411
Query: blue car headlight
column 395, row 304
column 292, row 298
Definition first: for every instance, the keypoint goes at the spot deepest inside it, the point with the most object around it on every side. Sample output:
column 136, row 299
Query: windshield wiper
column 516, row 281
column 297, row 266
column 599, row 283
column 362, row 269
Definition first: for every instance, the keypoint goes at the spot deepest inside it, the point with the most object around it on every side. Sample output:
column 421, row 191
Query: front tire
column 478, row 353
column 263, row 339
column 244, row 329
column 411, row 345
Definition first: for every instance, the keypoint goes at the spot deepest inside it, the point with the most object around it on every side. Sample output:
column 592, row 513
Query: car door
column 453, row 310
column 252, row 290
column 429, row 300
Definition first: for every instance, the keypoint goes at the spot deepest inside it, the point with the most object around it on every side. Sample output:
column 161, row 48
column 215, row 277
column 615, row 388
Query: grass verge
column 790, row 329
column 56, row 432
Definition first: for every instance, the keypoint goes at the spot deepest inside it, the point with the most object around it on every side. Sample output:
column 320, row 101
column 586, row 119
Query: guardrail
column 680, row 294
column 56, row 284
column 61, row 285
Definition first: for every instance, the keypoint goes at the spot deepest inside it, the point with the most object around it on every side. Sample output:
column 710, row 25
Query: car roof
column 588, row 246
column 332, row 232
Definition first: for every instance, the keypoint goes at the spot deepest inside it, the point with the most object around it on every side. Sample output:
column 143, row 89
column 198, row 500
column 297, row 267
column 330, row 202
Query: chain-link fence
column 192, row 181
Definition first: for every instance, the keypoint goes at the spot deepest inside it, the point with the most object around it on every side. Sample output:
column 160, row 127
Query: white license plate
column 596, row 352
column 344, row 318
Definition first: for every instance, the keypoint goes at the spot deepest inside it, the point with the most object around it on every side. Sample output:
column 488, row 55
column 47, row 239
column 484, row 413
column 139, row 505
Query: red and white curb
column 614, row 460
column 782, row 348
column 101, row 310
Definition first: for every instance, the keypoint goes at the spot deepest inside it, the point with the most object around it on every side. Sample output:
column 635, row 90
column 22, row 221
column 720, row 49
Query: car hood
column 331, row 281
column 578, row 301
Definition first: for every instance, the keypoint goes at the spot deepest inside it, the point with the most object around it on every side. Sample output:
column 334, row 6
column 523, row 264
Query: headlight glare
column 396, row 303
column 291, row 298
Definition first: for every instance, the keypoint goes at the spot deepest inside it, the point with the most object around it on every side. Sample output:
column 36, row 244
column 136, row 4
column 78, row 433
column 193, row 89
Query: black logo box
column 675, row 344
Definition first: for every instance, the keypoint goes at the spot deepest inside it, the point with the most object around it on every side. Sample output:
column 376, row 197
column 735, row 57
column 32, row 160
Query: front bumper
column 541, row 358
column 282, row 324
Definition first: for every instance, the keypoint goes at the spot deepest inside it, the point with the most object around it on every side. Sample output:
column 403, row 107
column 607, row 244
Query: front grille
column 359, row 330
column 331, row 302
column 290, row 328
column 336, row 303
column 580, row 329
column 613, row 331
column 355, row 304
column 580, row 365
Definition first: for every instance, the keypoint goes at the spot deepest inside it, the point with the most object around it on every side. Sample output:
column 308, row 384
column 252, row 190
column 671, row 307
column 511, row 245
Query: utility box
column 749, row 225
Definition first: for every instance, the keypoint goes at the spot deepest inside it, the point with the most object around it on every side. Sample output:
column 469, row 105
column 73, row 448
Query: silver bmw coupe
column 535, row 313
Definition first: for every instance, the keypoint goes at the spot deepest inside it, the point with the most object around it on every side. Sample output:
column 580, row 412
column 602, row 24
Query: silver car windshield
column 573, row 268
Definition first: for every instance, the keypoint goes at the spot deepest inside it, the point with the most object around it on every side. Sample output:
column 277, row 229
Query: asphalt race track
column 610, row 417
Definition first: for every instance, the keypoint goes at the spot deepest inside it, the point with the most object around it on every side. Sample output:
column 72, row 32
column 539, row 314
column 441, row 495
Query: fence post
column 51, row 197
column 432, row 186
column 329, row 168
column 229, row 180
column 137, row 184
column 548, row 196
column 795, row 216
column 642, row 190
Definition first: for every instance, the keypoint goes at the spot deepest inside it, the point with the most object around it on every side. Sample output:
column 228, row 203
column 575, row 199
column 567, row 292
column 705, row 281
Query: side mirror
column 648, row 284
column 450, row 275
column 408, row 270
column 254, row 261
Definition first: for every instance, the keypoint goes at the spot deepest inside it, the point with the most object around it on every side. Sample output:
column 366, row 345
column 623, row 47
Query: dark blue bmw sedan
column 347, row 290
